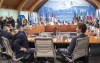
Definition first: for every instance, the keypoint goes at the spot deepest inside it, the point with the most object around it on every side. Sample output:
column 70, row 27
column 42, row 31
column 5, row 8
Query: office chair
column 80, row 50
column 44, row 47
column 9, row 55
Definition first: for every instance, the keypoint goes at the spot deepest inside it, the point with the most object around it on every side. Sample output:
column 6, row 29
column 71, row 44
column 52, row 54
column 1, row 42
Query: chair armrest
column 34, row 53
column 55, row 51
column 67, row 57
column 17, row 59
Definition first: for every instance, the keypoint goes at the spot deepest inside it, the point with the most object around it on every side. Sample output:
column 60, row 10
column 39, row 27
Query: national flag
column 84, row 17
column 98, row 14
column 55, row 16
column 81, row 15
column 90, row 17
column 95, row 16
column 41, row 19
column 30, row 18
column 47, row 17
column 43, row 14
column 52, row 16
column 74, row 14
column 87, row 16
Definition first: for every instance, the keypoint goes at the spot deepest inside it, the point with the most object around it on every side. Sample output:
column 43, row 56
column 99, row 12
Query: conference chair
column 46, row 34
column 1, row 52
column 44, row 48
column 81, row 50
column 10, row 55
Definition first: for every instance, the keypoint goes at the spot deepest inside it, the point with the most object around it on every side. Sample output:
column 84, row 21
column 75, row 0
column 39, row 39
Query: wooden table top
column 66, row 28
column 92, row 40
column 54, row 28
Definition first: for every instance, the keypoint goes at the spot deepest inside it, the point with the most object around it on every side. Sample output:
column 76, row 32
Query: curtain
column 9, row 13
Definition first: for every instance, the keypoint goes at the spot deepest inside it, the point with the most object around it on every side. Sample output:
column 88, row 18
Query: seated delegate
column 81, row 29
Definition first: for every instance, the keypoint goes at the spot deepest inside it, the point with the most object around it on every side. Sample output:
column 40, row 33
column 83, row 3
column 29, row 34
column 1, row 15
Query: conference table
column 92, row 40
column 54, row 28
column 61, row 28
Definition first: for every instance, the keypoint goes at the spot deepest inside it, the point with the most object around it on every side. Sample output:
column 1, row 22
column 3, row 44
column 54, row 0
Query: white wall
column 9, row 13
column 14, row 13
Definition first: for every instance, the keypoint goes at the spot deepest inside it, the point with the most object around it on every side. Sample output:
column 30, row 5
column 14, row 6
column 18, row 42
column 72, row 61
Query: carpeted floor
column 94, row 55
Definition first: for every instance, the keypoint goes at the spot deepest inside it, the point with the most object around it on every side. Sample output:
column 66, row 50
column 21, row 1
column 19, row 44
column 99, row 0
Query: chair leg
column 54, row 60
column 36, row 60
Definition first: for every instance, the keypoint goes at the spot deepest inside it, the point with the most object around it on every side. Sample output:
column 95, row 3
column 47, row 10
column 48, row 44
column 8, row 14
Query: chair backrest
column 7, row 46
column 0, row 49
column 81, row 48
column 46, row 34
column 44, row 47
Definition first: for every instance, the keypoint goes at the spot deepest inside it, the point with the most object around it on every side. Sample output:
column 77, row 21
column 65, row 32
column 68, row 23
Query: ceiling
column 33, row 5
column 95, row 3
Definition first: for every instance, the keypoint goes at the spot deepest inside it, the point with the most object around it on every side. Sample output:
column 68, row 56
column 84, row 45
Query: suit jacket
column 1, row 43
column 7, row 35
column 20, row 40
column 13, row 23
column 73, row 43
column 19, row 23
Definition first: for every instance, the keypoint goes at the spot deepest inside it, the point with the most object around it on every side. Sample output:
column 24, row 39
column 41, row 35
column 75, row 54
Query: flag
column 47, row 17
column 87, row 16
column 43, row 14
column 81, row 17
column 84, row 17
column 90, row 17
column 52, row 16
column 98, row 15
column 41, row 19
column 74, row 14
column 55, row 16
column 30, row 18
column 95, row 16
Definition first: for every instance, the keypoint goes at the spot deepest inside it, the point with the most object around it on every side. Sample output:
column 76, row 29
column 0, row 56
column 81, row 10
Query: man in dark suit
column 96, row 24
column 21, row 46
column 6, row 33
column 19, row 23
column 81, row 29
column 11, row 22
column 1, row 43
